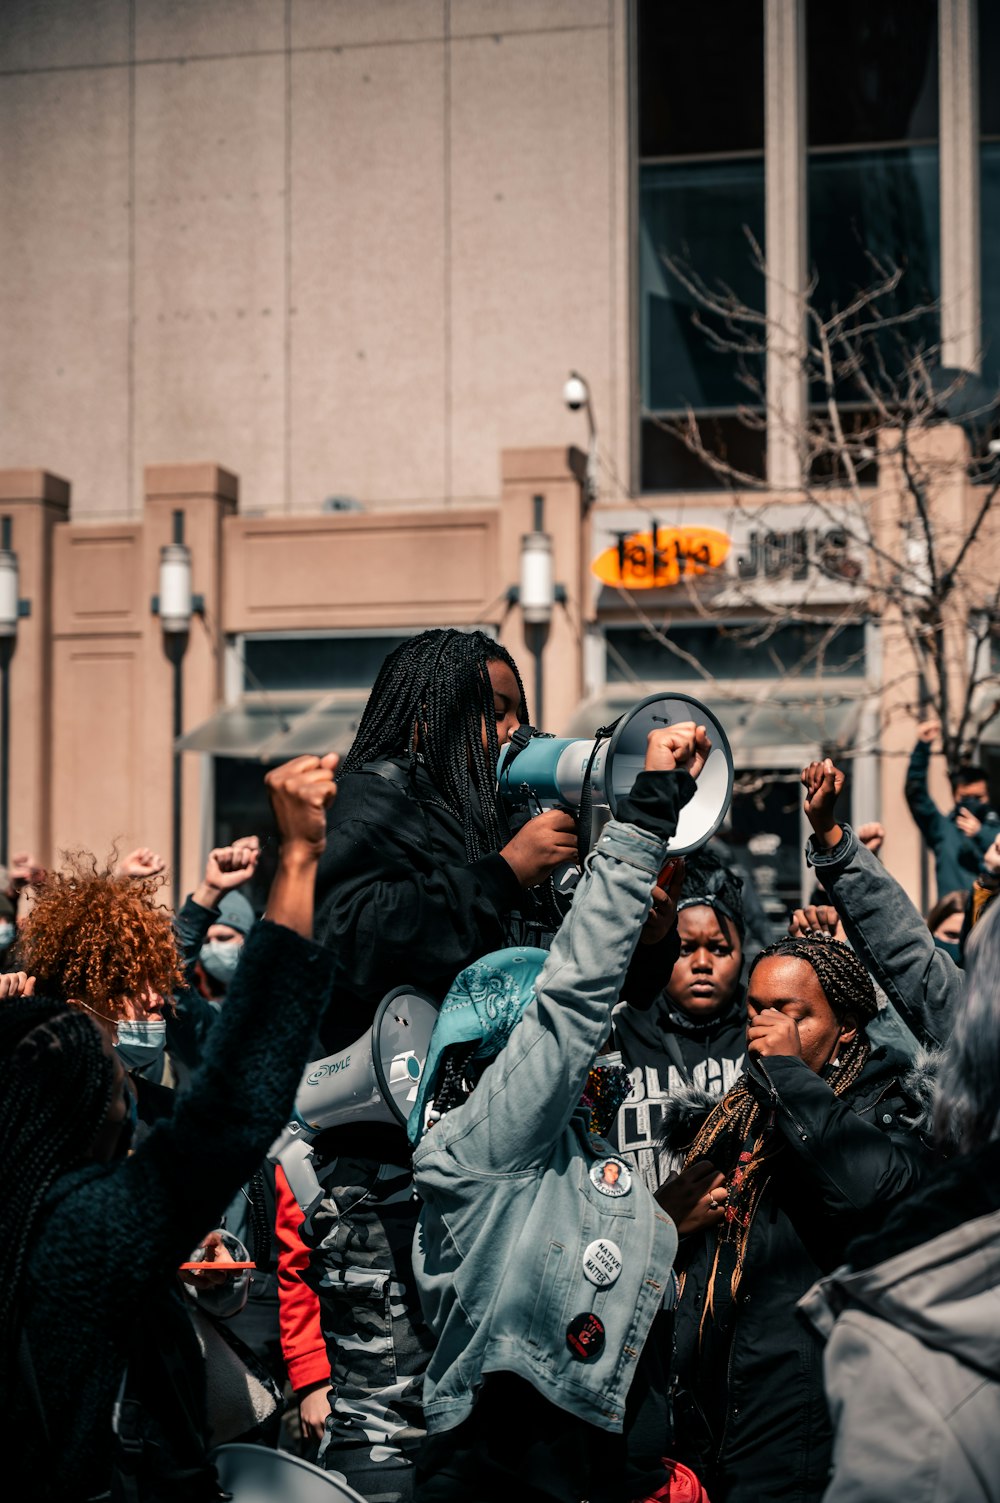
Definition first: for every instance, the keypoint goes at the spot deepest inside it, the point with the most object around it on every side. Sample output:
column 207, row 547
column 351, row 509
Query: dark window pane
column 872, row 71
column 701, row 77
column 669, row 465
column 315, row 662
column 989, row 213
column 988, row 44
column 884, row 204
column 695, row 214
column 735, row 653
column 242, row 808
column 827, row 454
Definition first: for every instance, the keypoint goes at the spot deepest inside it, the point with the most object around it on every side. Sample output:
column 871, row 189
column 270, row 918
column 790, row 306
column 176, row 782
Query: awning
column 761, row 726
column 275, row 729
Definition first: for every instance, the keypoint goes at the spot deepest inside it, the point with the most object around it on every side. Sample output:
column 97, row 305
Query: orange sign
column 659, row 558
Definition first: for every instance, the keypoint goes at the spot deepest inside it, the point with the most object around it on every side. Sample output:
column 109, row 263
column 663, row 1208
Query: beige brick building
column 314, row 273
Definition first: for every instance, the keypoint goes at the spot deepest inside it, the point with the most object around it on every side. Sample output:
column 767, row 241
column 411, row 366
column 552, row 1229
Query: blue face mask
column 7, row 934
column 141, row 1042
column 220, row 958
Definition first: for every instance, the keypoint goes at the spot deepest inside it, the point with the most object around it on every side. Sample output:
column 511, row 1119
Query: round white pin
column 611, row 1177
column 602, row 1262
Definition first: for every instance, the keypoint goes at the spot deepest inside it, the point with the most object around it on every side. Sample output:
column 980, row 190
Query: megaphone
column 375, row 1080
column 598, row 773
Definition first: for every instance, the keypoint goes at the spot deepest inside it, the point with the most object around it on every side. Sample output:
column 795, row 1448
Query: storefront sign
column 735, row 557
column 658, row 558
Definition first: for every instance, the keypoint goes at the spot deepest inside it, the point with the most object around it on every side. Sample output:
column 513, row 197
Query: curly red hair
column 98, row 938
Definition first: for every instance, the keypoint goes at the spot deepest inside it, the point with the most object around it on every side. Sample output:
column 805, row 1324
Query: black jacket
column 100, row 1289
column 751, row 1416
column 397, row 898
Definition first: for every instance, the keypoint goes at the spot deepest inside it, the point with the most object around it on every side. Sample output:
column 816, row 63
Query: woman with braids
column 421, row 877
column 814, row 1147
column 93, row 1321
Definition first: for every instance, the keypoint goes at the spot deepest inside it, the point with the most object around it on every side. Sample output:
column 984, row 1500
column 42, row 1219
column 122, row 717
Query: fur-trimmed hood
column 686, row 1110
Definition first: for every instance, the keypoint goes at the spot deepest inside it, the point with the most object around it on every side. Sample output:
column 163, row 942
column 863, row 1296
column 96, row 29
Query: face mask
column 7, row 933
column 220, row 958
column 978, row 807
column 950, row 948
column 141, row 1042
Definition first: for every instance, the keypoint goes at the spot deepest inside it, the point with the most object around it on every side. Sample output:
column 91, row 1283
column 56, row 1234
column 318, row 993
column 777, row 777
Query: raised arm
column 528, row 1094
column 227, row 869
column 884, row 928
column 923, row 808
column 164, row 1197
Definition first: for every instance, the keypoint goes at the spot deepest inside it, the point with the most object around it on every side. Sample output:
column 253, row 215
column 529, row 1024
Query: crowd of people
column 675, row 1214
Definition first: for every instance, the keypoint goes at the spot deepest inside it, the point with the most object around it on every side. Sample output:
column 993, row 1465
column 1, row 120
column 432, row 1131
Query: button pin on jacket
column 585, row 1336
column 602, row 1262
column 611, row 1177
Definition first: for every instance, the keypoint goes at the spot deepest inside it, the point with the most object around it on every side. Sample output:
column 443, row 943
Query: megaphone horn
column 599, row 772
column 375, row 1080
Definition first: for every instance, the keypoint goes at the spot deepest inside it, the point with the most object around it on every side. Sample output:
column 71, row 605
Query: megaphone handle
column 300, row 1171
column 667, row 873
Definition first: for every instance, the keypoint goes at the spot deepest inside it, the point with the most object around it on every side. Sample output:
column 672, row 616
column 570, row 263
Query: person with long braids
column 421, row 877
column 814, row 1144
column 97, row 1338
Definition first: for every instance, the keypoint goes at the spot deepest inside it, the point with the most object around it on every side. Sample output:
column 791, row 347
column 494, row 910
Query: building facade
column 348, row 253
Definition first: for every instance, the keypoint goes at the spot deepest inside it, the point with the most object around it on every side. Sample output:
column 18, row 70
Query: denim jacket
column 510, row 1207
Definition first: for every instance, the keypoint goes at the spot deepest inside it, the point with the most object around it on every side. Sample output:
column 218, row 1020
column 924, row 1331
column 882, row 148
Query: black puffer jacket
column 751, row 1417
column 397, row 898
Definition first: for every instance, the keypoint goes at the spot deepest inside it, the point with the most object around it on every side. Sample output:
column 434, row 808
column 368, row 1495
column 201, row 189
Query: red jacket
column 298, row 1306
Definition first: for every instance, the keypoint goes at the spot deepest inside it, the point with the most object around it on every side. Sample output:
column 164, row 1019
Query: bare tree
column 918, row 512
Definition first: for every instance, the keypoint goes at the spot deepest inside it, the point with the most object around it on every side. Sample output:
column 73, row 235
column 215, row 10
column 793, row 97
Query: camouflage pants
column 361, row 1237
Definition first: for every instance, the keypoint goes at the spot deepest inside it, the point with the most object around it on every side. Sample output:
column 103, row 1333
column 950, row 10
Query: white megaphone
column 375, row 1080
column 596, row 774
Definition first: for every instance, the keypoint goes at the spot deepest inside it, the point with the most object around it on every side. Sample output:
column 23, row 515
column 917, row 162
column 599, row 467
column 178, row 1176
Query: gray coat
column 891, row 939
column 912, row 1364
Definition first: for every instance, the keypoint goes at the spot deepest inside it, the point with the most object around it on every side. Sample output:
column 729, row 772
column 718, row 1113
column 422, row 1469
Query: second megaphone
column 595, row 774
column 375, row 1080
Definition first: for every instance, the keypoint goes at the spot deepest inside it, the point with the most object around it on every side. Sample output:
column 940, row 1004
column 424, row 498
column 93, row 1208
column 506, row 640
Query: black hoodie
column 666, row 1051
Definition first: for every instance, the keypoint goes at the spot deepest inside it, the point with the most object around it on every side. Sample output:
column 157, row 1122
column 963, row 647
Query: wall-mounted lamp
column 576, row 394
column 537, row 594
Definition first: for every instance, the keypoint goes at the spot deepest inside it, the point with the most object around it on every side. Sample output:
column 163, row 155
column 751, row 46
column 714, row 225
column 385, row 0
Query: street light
column 576, row 394
column 12, row 608
column 175, row 605
column 537, row 594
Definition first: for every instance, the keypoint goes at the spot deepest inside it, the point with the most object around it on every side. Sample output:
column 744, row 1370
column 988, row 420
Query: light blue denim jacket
column 509, row 1207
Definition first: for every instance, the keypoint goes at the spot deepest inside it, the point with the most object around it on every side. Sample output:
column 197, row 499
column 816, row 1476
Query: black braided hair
column 709, row 882
column 846, row 983
column 432, row 696
column 55, row 1087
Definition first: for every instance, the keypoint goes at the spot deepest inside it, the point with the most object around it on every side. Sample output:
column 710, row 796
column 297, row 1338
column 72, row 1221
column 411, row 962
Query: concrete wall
column 353, row 245
column 91, row 685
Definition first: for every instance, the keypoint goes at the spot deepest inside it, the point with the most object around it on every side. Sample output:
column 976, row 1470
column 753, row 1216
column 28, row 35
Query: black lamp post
column 175, row 606
column 12, row 607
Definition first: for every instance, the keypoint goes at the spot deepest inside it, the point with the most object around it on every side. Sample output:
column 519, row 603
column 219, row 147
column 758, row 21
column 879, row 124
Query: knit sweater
column 100, row 1275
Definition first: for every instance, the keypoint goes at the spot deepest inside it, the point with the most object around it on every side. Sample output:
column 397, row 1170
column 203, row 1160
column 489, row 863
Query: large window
column 737, row 651
column 872, row 174
column 872, row 196
column 701, row 181
column 989, row 183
